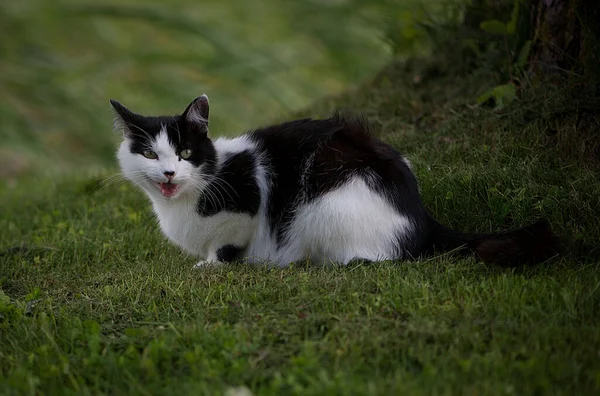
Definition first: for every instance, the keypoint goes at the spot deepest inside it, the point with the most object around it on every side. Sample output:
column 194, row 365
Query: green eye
column 149, row 154
column 185, row 154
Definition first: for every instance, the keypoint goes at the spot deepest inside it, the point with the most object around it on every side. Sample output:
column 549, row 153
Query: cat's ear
column 125, row 120
column 196, row 115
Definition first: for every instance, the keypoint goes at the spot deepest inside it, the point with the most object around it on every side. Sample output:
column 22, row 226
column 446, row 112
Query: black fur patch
column 234, row 188
column 229, row 253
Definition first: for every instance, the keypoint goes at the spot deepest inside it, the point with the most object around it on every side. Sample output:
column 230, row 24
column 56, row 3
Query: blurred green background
column 258, row 61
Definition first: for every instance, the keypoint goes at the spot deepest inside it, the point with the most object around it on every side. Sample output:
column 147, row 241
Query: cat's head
column 168, row 157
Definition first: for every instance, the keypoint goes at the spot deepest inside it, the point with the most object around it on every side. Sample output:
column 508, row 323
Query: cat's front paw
column 207, row 263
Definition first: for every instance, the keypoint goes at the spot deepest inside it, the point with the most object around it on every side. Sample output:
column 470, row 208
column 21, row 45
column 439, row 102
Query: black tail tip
column 532, row 244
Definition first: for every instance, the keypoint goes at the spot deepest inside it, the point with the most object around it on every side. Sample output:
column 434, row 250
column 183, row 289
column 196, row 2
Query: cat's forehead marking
column 175, row 132
column 162, row 143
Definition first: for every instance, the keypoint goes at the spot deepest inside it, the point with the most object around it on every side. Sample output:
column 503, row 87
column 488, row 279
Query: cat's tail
column 531, row 244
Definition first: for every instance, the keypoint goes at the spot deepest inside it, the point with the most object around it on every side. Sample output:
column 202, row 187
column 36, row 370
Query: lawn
column 94, row 300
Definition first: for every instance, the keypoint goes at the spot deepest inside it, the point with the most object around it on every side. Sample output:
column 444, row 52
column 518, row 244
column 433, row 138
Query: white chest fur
column 202, row 236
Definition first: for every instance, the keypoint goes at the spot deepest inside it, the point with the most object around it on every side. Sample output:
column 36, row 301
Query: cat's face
column 168, row 157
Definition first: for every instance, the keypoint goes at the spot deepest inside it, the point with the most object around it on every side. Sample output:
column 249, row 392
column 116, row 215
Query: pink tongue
column 168, row 189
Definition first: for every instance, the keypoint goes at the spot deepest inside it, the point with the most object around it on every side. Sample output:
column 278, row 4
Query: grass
column 93, row 300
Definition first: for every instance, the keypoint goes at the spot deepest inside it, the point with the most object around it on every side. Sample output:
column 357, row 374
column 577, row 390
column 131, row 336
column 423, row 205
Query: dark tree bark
column 565, row 37
column 565, row 33
column 557, row 35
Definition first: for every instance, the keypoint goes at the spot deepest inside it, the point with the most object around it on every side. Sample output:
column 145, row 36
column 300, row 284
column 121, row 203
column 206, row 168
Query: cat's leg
column 230, row 242
column 225, row 254
column 207, row 263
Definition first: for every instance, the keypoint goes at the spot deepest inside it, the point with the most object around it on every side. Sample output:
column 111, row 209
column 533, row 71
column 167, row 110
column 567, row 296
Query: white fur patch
column 351, row 222
column 226, row 147
column 263, row 245
column 202, row 236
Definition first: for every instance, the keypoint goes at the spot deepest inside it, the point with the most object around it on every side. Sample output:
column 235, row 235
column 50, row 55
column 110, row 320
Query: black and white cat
column 318, row 190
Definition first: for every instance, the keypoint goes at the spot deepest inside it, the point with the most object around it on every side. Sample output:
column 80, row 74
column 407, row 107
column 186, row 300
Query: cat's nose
column 169, row 174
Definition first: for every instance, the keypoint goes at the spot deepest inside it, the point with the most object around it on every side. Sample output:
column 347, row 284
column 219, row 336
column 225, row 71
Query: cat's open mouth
column 168, row 189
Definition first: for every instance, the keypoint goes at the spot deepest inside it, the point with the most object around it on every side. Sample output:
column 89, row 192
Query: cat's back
column 294, row 137
column 293, row 141
column 340, row 139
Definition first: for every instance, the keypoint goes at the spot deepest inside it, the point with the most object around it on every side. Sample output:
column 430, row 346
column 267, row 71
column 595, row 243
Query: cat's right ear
column 125, row 120
column 196, row 115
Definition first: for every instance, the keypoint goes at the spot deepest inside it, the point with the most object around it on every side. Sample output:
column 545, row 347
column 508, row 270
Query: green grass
column 94, row 300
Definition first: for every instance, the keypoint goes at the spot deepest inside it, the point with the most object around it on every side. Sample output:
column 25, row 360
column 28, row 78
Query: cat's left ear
column 125, row 120
column 196, row 115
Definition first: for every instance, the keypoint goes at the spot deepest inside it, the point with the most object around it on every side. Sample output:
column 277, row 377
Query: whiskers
column 199, row 186
column 222, row 186
column 119, row 179
column 214, row 189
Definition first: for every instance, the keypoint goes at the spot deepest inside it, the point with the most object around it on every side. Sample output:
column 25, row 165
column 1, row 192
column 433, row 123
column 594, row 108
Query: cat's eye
column 149, row 154
column 185, row 154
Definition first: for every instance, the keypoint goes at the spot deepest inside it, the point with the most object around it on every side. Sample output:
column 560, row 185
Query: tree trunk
column 565, row 37
column 557, row 36
column 565, row 33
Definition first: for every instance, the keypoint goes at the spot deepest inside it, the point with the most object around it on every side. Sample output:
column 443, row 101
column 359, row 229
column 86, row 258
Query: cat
column 323, row 191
